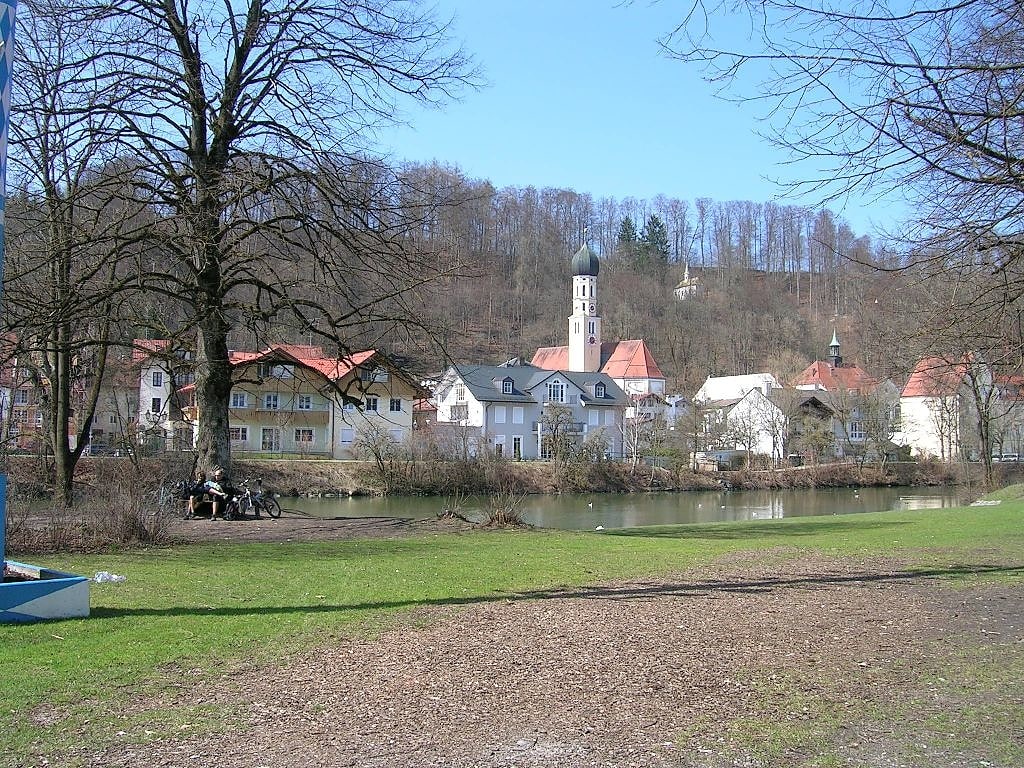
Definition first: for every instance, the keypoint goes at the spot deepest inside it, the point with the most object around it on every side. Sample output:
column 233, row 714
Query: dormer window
column 506, row 386
column 556, row 392
column 599, row 390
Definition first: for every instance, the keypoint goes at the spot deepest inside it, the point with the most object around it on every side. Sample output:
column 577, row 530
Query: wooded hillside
column 773, row 280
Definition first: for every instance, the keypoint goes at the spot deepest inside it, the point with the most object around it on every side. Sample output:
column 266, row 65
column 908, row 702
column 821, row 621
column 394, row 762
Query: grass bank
column 186, row 613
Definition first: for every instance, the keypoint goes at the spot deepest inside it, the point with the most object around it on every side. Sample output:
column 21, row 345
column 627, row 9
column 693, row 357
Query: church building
column 629, row 364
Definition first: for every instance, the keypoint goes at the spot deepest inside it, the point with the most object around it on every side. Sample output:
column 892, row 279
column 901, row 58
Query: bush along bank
column 496, row 476
column 97, row 478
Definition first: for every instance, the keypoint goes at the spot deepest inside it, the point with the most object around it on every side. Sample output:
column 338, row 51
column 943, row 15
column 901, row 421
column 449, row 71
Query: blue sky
column 579, row 96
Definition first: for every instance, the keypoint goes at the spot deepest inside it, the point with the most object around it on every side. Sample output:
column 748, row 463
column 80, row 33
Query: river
column 589, row 511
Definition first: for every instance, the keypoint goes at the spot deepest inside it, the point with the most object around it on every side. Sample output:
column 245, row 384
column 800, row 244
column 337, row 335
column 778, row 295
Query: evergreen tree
column 627, row 232
column 627, row 241
column 655, row 239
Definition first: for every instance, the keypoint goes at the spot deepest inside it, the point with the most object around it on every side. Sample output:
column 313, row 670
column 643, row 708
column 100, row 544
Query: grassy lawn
column 208, row 606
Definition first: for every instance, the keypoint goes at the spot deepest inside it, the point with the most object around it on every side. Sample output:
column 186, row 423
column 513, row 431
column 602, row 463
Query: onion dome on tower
column 585, row 263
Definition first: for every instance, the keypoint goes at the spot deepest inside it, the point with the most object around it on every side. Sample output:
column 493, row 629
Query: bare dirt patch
column 766, row 661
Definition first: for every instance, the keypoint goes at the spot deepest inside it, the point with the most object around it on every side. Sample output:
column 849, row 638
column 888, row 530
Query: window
column 396, row 435
column 517, row 414
column 270, row 401
column 348, row 407
column 460, row 393
column 271, row 371
column 599, row 390
column 20, row 417
column 304, row 436
column 238, row 400
column 270, row 439
column 594, row 418
column 377, row 374
column 395, row 406
column 371, row 403
column 158, row 378
column 556, row 392
column 517, row 446
column 238, row 434
column 506, row 386
column 459, row 413
column 21, row 397
column 347, row 434
column 591, row 327
column 39, row 418
column 154, row 405
column 112, row 419
column 609, row 418
column 856, row 430
column 499, row 445
column 499, row 414
column 304, row 402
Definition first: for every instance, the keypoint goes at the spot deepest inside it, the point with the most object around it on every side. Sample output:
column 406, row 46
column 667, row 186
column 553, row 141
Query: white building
column 938, row 409
column 514, row 410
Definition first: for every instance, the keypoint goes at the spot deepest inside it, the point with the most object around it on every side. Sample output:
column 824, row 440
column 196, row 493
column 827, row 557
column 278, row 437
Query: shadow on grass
column 756, row 528
column 628, row 591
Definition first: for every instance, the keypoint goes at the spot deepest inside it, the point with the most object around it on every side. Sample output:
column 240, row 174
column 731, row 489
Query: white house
column 938, row 409
column 751, row 424
column 511, row 409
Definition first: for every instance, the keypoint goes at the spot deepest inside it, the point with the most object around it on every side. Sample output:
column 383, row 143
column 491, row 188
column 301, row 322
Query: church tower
column 833, row 351
column 584, row 323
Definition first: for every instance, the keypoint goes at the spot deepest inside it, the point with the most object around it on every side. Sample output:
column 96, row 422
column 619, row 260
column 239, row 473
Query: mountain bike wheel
column 271, row 506
column 244, row 505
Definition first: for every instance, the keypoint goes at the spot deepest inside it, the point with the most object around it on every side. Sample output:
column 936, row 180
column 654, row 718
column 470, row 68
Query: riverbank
column 290, row 477
column 329, row 478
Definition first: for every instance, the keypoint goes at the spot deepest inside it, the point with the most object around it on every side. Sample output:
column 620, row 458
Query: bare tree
column 244, row 128
column 63, row 284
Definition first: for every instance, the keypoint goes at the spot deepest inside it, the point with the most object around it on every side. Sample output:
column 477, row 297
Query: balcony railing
column 572, row 427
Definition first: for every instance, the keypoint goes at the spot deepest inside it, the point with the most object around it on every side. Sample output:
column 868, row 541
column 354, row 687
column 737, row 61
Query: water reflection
column 587, row 512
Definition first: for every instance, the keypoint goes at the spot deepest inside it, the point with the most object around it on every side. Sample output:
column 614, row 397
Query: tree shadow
column 643, row 590
column 746, row 529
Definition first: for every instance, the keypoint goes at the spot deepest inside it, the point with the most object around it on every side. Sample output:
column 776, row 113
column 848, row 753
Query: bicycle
column 258, row 501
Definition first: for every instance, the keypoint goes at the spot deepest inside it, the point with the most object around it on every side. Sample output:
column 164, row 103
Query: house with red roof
column 866, row 412
column 288, row 399
column 939, row 409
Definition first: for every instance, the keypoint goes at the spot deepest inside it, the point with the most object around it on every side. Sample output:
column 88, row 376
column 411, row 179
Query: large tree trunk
column 213, row 390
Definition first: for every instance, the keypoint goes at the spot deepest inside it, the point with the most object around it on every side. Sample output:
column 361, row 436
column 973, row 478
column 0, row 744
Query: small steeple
column 833, row 351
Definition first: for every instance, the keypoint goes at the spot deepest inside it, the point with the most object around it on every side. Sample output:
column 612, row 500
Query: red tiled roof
column 143, row 348
column 630, row 360
column 619, row 359
column 935, row 377
column 309, row 356
column 832, row 378
column 552, row 358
